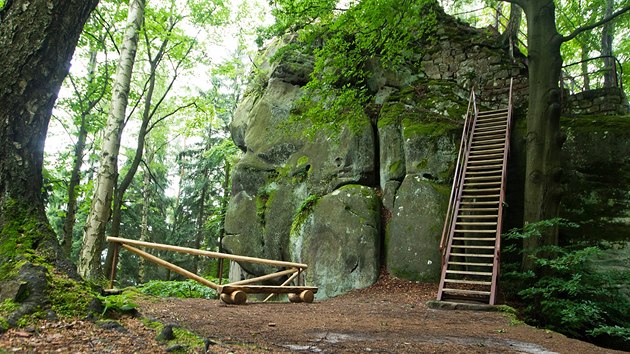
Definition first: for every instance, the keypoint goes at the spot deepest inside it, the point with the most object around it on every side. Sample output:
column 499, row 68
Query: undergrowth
column 565, row 292
column 181, row 289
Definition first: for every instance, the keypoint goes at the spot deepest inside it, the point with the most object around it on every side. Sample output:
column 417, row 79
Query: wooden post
column 283, row 284
column 220, row 270
column 172, row 267
column 114, row 265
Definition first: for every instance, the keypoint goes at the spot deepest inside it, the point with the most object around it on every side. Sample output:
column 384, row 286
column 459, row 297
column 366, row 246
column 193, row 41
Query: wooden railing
column 464, row 146
column 233, row 293
column 497, row 244
column 594, row 78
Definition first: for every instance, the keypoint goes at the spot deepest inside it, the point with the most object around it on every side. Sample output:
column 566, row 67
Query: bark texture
column 37, row 40
column 542, row 183
column 93, row 238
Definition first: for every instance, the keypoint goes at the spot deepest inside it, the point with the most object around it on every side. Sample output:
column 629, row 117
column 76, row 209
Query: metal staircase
column 471, row 236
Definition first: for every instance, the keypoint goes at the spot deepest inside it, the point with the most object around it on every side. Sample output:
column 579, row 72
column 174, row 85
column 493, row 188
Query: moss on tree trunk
column 37, row 40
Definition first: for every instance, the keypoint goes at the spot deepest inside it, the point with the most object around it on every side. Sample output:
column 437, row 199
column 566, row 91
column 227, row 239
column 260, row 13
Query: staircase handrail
column 497, row 244
column 471, row 116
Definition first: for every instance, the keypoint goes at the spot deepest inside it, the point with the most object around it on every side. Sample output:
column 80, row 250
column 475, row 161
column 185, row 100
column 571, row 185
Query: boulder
column 414, row 232
column 338, row 236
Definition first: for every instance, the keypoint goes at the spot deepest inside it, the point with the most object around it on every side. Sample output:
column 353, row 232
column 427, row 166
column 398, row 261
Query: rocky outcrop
column 350, row 198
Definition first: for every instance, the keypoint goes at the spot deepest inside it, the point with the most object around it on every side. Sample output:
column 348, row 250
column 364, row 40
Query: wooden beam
column 264, row 277
column 283, row 284
column 172, row 267
column 179, row 249
column 267, row 289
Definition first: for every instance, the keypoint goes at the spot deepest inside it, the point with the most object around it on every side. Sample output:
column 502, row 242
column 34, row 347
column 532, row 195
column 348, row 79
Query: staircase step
column 467, row 193
column 486, row 156
column 498, row 119
column 499, row 168
column 468, row 196
column 483, row 162
column 490, row 124
column 473, row 247
column 476, row 223
column 473, row 216
column 471, row 282
column 457, row 254
column 471, row 264
column 484, row 178
column 487, row 151
column 477, row 231
column 468, row 272
column 485, row 135
column 481, row 184
column 465, row 292
column 484, row 141
column 479, row 209
column 493, row 111
column 484, row 127
column 486, row 173
column 483, row 239
column 481, row 117
column 484, row 147
column 490, row 202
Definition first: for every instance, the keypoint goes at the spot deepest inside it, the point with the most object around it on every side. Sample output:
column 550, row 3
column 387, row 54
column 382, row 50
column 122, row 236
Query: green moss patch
column 184, row 338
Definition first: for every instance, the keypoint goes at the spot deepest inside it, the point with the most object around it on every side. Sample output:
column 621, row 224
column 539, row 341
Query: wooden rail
column 464, row 147
column 233, row 293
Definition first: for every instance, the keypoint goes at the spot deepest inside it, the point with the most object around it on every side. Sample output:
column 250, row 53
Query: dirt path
column 390, row 317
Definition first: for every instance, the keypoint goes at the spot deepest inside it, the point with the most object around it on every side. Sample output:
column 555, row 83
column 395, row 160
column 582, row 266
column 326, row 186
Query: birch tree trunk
column 89, row 265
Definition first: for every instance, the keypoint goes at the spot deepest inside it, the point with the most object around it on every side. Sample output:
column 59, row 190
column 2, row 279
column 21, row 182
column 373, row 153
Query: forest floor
column 389, row 317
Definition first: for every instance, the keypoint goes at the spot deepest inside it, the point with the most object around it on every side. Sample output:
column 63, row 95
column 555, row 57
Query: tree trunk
column 89, row 264
column 144, row 229
column 544, row 140
column 147, row 115
column 37, row 40
column 607, row 42
column 75, row 177
column 224, row 204
column 201, row 218
column 509, row 37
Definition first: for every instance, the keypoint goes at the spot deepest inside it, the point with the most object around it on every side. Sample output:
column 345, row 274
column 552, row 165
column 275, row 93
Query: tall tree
column 543, row 173
column 175, row 48
column 37, row 40
column 87, row 101
column 89, row 265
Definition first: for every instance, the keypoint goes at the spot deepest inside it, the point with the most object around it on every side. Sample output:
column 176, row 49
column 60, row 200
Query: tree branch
column 594, row 25
column 168, row 115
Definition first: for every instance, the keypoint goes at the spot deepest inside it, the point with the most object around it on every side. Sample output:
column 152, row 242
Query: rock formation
column 352, row 198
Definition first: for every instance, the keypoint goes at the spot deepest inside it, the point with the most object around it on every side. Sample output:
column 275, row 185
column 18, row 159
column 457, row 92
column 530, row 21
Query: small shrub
column 182, row 289
column 565, row 294
column 117, row 303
